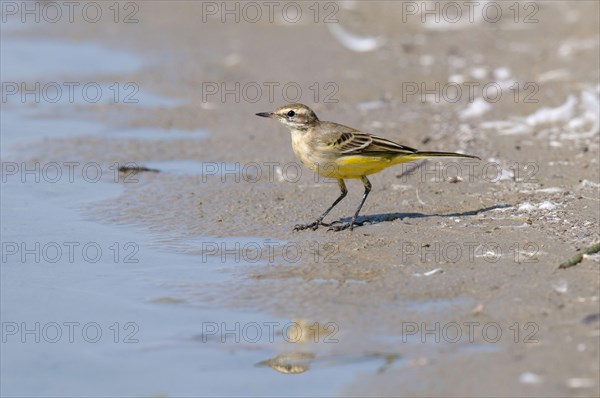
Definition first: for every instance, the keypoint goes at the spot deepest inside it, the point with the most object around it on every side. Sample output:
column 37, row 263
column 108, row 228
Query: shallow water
column 81, row 298
column 27, row 59
column 125, row 285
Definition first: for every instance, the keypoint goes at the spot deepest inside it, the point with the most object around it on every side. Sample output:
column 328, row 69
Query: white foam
column 547, row 205
column 526, row 206
column 348, row 4
column 553, row 75
column 354, row 42
column 590, row 105
column 588, row 183
column 371, row 105
column 571, row 46
column 507, row 175
column 576, row 118
column 507, row 127
column 449, row 23
column 502, row 73
column 457, row 78
column 479, row 72
column 552, row 115
column 577, row 382
column 530, row 378
column 478, row 107
column 550, row 190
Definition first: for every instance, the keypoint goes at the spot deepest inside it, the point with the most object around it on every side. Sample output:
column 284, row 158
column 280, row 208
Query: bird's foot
column 315, row 225
column 312, row 225
column 347, row 225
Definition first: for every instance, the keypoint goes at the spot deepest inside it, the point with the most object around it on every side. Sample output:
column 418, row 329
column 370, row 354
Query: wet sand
column 483, row 250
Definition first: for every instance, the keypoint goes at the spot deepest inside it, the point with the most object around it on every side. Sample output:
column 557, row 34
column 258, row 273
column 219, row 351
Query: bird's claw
column 312, row 225
column 332, row 225
column 348, row 225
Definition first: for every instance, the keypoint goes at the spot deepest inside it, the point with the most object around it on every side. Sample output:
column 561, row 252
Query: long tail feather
column 420, row 155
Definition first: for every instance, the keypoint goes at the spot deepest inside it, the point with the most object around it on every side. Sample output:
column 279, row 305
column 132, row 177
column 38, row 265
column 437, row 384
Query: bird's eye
column 291, row 114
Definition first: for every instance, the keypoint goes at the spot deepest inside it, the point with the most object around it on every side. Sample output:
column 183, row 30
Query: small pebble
column 433, row 271
column 478, row 309
column 561, row 286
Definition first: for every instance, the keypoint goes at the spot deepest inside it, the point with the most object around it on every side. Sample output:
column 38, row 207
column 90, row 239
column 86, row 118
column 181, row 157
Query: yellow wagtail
column 336, row 151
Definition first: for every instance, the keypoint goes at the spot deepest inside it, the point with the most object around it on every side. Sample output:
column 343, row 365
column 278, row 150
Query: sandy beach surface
column 450, row 287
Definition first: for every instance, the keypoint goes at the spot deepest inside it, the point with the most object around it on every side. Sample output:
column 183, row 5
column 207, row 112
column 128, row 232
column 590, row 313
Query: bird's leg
column 351, row 224
column 319, row 221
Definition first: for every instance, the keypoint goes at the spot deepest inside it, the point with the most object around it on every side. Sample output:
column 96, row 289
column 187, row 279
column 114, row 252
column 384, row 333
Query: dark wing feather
column 380, row 144
column 352, row 142
column 349, row 141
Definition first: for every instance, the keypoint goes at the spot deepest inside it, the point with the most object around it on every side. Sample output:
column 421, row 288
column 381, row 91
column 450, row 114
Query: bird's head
column 294, row 116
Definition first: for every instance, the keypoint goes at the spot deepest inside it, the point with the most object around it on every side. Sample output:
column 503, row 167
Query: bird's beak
column 266, row 114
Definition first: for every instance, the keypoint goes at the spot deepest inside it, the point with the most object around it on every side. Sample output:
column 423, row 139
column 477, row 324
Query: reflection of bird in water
column 305, row 332
column 300, row 362
column 291, row 362
column 303, row 336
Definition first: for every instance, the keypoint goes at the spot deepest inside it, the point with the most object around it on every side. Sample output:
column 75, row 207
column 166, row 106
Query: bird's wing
column 380, row 144
column 348, row 141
